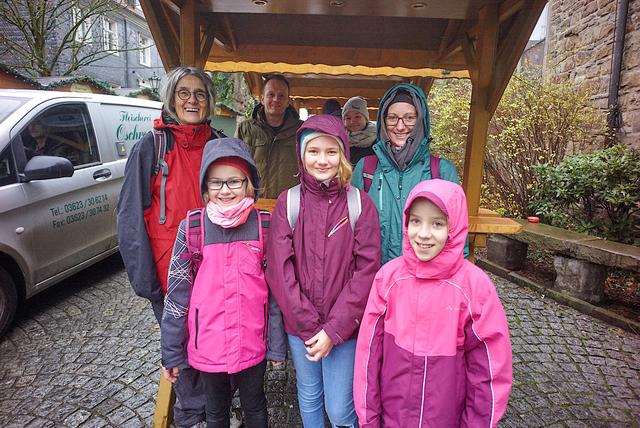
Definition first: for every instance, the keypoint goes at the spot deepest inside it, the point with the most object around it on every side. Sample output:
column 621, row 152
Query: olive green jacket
column 275, row 154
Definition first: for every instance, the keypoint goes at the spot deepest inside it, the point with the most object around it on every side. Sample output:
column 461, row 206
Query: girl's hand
column 171, row 374
column 319, row 346
column 277, row 363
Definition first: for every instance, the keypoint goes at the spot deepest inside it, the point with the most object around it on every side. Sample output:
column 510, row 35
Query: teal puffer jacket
column 391, row 186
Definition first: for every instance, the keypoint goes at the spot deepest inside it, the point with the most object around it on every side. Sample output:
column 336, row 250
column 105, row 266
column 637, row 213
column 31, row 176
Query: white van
column 62, row 159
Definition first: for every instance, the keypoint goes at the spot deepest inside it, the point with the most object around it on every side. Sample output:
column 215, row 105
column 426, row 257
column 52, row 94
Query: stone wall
column 580, row 42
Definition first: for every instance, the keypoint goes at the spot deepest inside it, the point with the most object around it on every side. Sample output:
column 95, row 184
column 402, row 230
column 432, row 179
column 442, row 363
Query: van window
column 8, row 105
column 65, row 131
column 7, row 167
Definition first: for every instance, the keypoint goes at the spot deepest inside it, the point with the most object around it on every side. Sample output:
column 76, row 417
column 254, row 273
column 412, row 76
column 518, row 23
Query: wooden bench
column 581, row 261
column 480, row 226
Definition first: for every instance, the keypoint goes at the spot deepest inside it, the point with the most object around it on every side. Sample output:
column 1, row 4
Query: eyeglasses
column 232, row 183
column 185, row 94
column 392, row 120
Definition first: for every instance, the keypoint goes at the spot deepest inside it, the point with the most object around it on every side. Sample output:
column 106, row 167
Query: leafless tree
column 42, row 37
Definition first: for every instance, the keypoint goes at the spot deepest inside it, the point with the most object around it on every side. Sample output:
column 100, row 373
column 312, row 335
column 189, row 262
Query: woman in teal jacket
column 403, row 160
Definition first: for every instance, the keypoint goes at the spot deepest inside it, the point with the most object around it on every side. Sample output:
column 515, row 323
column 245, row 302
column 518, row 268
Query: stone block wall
column 580, row 40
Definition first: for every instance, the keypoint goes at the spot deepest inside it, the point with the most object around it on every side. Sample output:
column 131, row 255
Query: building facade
column 580, row 48
column 134, row 57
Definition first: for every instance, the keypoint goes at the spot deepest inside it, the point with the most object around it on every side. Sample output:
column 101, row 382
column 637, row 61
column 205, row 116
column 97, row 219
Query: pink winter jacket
column 433, row 349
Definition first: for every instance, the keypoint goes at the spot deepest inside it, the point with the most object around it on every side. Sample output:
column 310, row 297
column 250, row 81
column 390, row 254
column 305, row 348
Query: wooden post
column 484, row 56
column 163, row 415
column 189, row 34
column 479, row 116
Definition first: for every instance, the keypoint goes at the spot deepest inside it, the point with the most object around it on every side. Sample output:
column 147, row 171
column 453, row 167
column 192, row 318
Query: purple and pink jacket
column 433, row 349
column 322, row 282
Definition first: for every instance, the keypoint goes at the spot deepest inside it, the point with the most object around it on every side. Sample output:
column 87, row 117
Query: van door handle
column 102, row 174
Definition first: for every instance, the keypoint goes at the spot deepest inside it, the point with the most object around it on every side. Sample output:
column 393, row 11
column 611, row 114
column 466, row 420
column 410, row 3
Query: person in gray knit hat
column 362, row 132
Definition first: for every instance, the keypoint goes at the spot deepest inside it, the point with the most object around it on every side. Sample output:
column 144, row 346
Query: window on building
column 111, row 36
column 83, row 32
column 144, row 43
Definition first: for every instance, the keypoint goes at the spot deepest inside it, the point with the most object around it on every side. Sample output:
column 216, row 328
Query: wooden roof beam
column 423, row 82
column 511, row 49
column 160, row 27
column 254, row 82
column 454, row 46
column 189, row 34
column 206, row 43
column 228, row 29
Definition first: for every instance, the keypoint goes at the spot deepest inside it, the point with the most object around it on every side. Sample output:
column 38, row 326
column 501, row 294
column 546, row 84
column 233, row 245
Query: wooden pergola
column 342, row 48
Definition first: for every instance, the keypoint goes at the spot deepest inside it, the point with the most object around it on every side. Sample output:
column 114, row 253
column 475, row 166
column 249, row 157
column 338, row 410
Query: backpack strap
column 264, row 221
column 159, row 151
column 434, row 163
column 354, row 204
column 194, row 235
column 368, row 170
column 293, row 205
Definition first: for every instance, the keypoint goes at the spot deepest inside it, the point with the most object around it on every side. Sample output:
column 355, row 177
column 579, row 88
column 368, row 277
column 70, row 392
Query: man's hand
column 319, row 346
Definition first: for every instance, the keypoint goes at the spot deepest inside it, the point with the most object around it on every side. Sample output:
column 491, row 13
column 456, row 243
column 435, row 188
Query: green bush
column 449, row 108
column 536, row 122
column 597, row 193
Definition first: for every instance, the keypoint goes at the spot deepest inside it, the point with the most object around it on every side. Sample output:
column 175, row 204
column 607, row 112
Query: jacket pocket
column 195, row 341
column 250, row 258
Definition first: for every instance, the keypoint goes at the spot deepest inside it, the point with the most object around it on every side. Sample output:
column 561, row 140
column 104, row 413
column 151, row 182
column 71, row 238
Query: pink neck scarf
column 231, row 216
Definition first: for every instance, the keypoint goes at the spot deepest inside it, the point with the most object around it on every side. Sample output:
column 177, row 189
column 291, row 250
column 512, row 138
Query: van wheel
column 8, row 300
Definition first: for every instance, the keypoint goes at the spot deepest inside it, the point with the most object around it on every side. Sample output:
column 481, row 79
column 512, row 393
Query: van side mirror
column 47, row 167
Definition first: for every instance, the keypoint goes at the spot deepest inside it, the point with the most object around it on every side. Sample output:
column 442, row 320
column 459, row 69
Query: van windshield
column 8, row 105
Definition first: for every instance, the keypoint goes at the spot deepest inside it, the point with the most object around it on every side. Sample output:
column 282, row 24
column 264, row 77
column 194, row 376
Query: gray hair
column 168, row 94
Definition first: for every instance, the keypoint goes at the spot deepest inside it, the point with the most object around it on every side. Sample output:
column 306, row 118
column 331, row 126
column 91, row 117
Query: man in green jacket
column 271, row 137
column 403, row 160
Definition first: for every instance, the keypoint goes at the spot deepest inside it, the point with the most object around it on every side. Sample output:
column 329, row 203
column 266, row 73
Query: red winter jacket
column 145, row 244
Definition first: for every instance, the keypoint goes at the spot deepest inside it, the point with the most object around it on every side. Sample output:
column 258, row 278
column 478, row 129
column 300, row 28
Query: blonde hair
column 345, row 170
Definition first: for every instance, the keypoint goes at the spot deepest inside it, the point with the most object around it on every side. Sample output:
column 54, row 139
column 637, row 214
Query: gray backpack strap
column 293, row 205
column 354, row 204
column 160, row 166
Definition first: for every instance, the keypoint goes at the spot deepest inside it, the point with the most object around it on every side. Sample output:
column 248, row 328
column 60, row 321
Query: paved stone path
column 85, row 354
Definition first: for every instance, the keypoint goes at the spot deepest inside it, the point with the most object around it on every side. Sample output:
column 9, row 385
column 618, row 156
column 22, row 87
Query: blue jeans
column 337, row 370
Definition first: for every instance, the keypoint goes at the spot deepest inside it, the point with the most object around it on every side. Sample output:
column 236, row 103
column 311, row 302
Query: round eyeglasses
column 232, row 183
column 392, row 120
column 185, row 94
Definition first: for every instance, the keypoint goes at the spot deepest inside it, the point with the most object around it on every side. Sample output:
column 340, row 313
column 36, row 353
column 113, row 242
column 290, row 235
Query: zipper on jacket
column 424, row 383
column 264, row 329
column 380, row 190
column 196, row 339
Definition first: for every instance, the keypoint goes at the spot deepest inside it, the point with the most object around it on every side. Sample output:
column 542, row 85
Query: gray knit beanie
column 358, row 104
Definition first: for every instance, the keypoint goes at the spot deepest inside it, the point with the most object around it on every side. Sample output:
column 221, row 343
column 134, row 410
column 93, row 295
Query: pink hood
column 450, row 198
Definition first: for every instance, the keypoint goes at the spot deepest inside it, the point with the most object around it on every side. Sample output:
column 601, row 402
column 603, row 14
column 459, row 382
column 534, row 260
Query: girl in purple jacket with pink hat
column 320, row 269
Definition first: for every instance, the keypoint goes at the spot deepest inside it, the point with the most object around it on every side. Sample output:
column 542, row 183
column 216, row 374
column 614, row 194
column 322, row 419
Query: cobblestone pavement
column 85, row 354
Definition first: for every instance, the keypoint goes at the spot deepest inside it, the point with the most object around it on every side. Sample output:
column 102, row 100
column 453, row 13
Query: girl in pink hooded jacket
column 433, row 348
